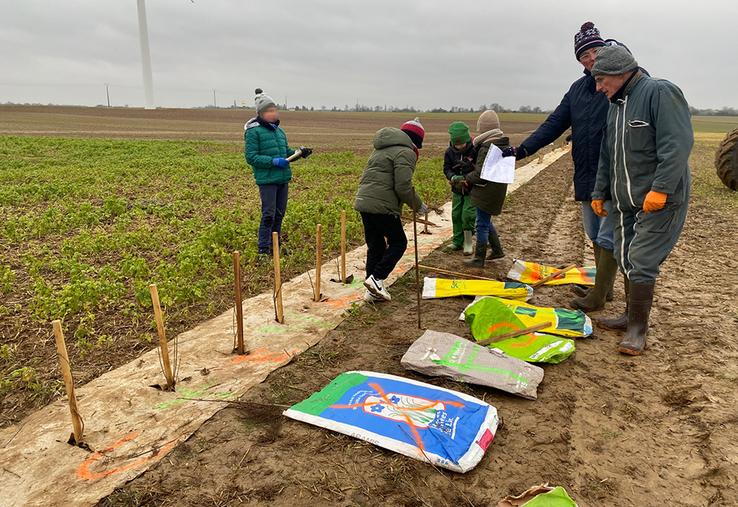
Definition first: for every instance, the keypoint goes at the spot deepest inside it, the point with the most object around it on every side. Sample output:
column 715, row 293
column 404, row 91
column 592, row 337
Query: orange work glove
column 598, row 206
column 654, row 201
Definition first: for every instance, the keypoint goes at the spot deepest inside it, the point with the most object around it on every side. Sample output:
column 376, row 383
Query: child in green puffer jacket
column 266, row 151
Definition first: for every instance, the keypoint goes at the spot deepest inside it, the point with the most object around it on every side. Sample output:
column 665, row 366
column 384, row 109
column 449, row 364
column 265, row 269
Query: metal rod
column 240, row 347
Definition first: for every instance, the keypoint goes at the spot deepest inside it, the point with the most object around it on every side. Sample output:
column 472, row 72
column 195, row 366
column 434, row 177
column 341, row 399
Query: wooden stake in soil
column 240, row 347
column 343, row 246
column 318, row 261
column 163, row 346
column 456, row 274
column 425, row 226
column 61, row 350
column 553, row 275
column 278, row 309
column 417, row 271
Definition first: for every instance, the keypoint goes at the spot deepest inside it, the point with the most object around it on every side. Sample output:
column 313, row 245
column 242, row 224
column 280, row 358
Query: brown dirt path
column 615, row 431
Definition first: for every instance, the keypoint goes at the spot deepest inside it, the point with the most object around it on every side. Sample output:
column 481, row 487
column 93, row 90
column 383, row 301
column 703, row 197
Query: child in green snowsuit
column 457, row 163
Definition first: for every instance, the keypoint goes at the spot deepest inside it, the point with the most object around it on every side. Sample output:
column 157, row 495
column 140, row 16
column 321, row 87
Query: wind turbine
column 143, row 37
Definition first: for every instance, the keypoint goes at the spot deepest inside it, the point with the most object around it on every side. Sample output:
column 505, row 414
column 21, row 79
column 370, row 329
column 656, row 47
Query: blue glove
column 280, row 162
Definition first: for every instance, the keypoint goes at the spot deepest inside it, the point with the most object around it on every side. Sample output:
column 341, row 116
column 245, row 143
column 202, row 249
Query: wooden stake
column 553, row 276
column 515, row 334
column 318, row 261
column 417, row 270
column 163, row 346
column 240, row 347
column 61, row 350
column 456, row 274
column 278, row 309
column 343, row 246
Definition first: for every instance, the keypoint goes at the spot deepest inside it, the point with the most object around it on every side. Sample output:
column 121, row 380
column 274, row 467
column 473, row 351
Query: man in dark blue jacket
column 584, row 110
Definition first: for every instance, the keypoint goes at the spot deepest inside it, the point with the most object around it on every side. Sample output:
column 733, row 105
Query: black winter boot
column 595, row 299
column 495, row 251
column 619, row 323
column 639, row 309
column 478, row 260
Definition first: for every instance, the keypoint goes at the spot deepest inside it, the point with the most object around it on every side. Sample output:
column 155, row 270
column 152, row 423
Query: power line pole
column 107, row 93
column 215, row 101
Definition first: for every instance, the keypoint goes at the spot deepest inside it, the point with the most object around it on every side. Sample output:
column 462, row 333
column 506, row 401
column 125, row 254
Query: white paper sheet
column 496, row 168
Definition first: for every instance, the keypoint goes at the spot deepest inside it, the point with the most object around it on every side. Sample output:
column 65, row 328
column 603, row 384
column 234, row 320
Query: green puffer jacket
column 262, row 143
column 485, row 195
column 387, row 181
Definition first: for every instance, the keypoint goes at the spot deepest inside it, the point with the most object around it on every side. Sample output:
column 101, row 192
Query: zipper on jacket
column 625, row 163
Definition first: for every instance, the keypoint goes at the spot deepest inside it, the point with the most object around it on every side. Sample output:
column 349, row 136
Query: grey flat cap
column 614, row 60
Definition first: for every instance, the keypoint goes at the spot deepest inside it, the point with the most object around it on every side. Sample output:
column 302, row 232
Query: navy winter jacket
column 585, row 111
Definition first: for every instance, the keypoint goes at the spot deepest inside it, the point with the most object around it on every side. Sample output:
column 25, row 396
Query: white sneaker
column 376, row 287
column 370, row 298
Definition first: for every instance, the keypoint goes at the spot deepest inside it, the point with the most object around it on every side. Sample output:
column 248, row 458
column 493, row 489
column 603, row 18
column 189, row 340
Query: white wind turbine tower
column 143, row 36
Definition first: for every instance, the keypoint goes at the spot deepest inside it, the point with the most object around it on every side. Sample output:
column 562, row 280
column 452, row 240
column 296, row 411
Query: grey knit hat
column 263, row 101
column 614, row 60
column 488, row 120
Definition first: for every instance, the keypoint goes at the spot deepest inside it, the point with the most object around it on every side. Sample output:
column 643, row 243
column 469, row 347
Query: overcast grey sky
column 422, row 53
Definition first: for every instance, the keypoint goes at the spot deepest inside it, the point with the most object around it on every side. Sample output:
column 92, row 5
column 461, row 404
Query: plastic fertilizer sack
column 447, row 355
column 492, row 312
column 530, row 272
column 428, row 423
column 444, row 288
column 490, row 317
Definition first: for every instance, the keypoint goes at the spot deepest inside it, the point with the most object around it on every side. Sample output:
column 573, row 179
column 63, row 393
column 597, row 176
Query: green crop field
column 89, row 223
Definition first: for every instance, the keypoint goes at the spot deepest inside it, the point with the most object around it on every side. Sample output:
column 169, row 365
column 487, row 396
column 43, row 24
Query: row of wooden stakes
column 239, row 346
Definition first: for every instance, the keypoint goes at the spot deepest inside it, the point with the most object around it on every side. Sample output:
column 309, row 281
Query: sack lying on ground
column 530, row 272
column 444, row 288
column 564, row 322
column 539, row 496
column 490, row 317
column 448, row 355
column 428, row 423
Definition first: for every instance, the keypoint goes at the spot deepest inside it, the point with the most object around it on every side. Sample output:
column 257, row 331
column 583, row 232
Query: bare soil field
column 614, row 431
column 332, row 130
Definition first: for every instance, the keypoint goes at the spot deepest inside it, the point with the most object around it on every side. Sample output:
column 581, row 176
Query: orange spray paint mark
column 84, row 472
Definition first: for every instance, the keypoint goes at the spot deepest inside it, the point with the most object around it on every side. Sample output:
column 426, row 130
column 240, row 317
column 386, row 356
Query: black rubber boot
column 495, row 246
column 478, row 260
column 619, row 323
column 595, row 299
column 639, row 309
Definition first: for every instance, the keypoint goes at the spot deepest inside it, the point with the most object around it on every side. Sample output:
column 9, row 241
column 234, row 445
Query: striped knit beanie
column 262, row 101
column 415, row 131
column 586, row 38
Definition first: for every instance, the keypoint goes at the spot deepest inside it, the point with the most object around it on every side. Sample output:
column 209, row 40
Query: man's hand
column 510, row 151
column 598, row 206
column 423, row 210
column 456, row 178
column 280, row 162
column 654, row 201
column 305, row 152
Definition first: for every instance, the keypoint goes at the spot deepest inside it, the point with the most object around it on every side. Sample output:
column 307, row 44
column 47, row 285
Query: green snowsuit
column 646, row 147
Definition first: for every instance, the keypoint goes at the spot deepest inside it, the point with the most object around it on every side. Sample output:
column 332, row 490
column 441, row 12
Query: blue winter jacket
column 585, row 111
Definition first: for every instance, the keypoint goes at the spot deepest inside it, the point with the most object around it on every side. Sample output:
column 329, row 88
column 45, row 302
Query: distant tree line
column 723, row 111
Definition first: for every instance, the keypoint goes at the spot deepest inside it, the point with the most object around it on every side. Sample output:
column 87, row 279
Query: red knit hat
column 414, row 129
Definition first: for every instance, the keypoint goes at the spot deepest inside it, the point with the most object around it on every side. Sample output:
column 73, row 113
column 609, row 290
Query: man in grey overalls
column 644, row 170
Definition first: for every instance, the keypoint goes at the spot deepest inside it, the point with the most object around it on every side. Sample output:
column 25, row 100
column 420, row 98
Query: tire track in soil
column 614, row 431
